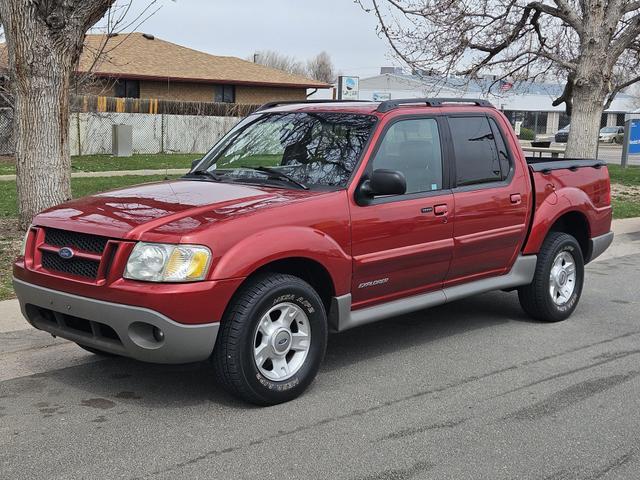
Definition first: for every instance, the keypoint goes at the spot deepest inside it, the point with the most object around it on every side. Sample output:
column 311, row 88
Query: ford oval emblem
column 66, row 253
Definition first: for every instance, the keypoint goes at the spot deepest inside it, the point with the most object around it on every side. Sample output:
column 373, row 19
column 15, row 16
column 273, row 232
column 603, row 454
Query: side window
column 413, row 148
column 477, row 159
column 503, row 153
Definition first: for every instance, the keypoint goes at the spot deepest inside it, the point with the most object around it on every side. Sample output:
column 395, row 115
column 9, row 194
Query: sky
column 299, row 28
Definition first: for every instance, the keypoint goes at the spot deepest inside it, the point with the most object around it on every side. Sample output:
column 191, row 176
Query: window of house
column 476, row 152
column 125, row 88
column 413, row 148
column 224, row 94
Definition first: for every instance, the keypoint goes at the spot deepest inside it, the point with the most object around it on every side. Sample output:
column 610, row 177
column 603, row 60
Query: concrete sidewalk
column 114, row 173
column 627, row 242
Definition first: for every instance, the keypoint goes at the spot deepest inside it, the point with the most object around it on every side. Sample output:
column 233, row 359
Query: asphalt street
column 470, row 390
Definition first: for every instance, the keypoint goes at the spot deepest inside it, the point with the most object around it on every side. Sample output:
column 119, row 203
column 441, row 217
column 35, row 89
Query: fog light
column 158, row 334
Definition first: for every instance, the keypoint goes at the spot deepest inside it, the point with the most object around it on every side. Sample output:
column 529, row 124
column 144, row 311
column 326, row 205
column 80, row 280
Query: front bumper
column 115, row 328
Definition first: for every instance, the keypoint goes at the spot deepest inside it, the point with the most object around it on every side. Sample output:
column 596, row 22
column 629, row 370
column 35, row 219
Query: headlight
column 159, row 262
column 23, row 249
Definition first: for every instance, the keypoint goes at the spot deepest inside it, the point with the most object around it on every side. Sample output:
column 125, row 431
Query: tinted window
column 476, row 153
column 127, row 88
column 413, row 148
column 503, row 153
column 225, row 94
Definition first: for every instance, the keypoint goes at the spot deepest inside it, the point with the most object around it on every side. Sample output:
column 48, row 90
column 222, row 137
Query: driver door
column 402, row 244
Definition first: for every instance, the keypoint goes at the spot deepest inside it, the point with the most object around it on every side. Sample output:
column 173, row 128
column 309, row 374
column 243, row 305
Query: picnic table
column 555, row 152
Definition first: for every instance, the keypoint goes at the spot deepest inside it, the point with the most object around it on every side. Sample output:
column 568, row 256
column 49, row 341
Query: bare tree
column 592, row 45
column 44, row 42
column 286, row 63
column 321, row 68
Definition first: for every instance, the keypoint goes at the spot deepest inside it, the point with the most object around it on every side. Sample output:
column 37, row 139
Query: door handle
column 516, row 198
column 440, row 210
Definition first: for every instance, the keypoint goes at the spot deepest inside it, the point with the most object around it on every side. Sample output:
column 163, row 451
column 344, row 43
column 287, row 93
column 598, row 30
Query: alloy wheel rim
column 562, row 278
column 282, row 341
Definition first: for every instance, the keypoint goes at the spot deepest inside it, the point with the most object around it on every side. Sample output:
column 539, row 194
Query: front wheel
column 272, row 340
column 557, row 284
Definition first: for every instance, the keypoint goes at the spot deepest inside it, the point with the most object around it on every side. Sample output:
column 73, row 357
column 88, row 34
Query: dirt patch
column 625, row 192
column 9, row 229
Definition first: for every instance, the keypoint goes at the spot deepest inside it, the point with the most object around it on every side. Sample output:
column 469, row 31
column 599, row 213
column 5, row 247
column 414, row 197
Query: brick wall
column 184, row 92
column 200, row 92
column 258, row 95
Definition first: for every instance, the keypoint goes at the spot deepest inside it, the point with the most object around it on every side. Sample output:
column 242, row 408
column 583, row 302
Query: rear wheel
column 557, row 284
column 272, row 340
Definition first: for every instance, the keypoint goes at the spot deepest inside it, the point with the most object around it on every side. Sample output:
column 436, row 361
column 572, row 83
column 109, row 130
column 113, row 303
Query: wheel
column 557, row 284
column 95, row 351
column 272, row 340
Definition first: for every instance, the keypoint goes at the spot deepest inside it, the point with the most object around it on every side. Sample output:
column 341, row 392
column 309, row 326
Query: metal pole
column 625, row 144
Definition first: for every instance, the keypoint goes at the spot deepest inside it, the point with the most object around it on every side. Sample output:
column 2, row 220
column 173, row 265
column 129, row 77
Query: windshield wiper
column 279, row 175
column 205, row 173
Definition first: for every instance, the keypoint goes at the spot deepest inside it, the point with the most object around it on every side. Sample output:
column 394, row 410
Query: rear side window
column 477, row 155
column 413, row 148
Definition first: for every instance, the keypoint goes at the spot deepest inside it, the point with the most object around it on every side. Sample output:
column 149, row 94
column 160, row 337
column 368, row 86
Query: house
column 139, row 65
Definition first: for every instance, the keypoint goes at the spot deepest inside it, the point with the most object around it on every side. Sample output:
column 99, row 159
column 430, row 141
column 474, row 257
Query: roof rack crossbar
column 389, row 105
column 293, row 102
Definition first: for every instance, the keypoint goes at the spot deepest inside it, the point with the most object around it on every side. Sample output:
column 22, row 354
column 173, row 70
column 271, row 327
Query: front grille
column 79, row 241
column 81, row 267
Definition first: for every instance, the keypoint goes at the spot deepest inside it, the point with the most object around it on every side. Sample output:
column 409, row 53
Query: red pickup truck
column 313, row 217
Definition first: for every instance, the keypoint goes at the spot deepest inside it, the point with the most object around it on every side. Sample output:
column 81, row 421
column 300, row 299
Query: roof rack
column 293, row 102
column 389, row 105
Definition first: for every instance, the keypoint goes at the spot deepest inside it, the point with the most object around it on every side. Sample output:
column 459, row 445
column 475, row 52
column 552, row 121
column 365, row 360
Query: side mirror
column 382, row 182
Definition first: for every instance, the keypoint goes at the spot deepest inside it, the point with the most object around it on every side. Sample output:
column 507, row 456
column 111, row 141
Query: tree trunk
column 585, row 124
column 43, row 163
column 44, row 41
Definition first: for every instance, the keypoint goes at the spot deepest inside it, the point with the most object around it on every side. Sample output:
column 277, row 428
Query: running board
column 343, row 318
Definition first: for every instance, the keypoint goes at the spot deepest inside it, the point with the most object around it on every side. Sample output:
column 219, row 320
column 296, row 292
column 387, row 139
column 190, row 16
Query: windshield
column 312, row 148
column 609, row 130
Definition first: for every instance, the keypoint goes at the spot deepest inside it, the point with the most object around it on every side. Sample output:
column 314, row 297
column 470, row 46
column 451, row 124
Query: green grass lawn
column 626, row 208
column 106, row 163
column 624, row 176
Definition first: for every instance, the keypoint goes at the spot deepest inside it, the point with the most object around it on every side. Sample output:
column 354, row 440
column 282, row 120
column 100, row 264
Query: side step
column 343, row 318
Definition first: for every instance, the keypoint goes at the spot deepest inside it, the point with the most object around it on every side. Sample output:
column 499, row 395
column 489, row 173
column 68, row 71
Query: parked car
column 562, row 135
column 611, row 134
column 310, row 218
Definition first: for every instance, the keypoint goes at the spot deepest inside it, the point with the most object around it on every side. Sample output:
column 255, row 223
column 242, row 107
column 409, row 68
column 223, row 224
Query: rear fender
column 280, row 243
column 557, row 204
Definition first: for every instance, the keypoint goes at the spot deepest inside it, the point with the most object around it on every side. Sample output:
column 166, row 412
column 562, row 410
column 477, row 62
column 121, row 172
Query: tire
column 537, row 298
column 95, row 351
column 254, row 329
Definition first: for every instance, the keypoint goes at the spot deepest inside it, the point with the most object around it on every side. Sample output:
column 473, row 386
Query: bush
column 527, row 134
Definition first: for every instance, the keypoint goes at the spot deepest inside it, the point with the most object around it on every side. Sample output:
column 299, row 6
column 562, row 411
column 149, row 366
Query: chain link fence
column 91, row 132
column 7, row 143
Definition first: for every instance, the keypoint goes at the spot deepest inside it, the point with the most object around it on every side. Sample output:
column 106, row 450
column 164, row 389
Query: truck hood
column 176, row 207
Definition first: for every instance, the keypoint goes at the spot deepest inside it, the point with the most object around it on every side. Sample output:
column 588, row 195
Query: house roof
column 136, row 55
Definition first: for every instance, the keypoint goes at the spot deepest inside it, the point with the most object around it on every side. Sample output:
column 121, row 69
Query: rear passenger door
column 491, row 198
column 402, row 244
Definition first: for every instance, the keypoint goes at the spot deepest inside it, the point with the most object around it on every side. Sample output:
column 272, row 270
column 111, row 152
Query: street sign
column 631, row 142
column 348, row 88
